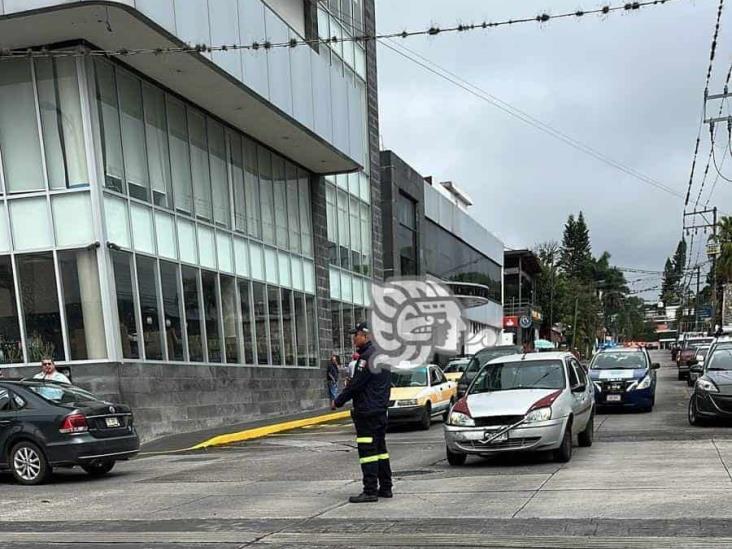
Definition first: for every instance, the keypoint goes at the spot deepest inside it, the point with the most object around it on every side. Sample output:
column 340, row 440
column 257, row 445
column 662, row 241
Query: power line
column 267, row 45
column 527, row 118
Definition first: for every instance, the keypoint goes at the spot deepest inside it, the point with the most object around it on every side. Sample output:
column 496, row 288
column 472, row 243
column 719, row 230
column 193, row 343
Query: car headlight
column 461, row 420
column 642, row 384
column 706, row 385
column 408, row 402
column 540, row 414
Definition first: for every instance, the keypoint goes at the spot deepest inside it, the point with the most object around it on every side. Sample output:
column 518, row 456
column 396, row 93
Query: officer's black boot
column 363, row 497
column 385, row 493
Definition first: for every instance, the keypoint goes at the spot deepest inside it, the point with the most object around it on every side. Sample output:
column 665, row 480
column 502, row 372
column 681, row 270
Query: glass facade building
column 186, row 211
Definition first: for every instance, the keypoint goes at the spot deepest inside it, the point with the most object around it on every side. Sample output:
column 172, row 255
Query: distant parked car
column 532, row 402
column 481, row 358
column 712, row 396
column 624, row 377
column 687, row 354
column 701, row 354
column 455, row 367
column 44, row 424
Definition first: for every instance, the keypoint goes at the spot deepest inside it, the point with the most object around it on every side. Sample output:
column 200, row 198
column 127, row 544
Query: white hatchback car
column 529, row 402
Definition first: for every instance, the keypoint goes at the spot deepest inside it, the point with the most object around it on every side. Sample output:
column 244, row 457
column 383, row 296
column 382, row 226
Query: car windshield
column 456, row 366
column 619, row 360
column 486, row 355
column 505, row 376
column 409, row 378
column 720, row 359
column 697, row 342
column 62, row 394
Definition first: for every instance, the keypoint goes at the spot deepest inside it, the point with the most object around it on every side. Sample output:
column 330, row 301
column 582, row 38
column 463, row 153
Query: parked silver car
column 528, row 402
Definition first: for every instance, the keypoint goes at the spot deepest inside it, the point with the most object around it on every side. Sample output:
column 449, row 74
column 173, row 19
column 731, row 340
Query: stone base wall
column 171, row 399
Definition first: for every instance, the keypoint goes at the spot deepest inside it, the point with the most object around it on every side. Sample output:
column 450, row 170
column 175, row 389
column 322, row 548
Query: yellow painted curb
column 259, row 432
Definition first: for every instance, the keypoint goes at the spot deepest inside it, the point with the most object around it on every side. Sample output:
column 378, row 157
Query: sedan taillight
column 75, row 423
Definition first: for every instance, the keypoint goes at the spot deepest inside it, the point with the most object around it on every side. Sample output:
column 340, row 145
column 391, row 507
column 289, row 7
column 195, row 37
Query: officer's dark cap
column 360, row 327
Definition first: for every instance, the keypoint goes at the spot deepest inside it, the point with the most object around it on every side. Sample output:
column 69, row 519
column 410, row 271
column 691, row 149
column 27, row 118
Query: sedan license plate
column 112, row 422
column 614, row 398
column 503, row 437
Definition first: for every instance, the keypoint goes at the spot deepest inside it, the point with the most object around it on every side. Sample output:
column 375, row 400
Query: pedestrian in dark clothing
column 369, row 389
column 333, row 372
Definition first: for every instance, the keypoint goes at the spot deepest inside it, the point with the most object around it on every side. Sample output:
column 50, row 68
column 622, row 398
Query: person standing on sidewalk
column 333, row 372
column 369, row 389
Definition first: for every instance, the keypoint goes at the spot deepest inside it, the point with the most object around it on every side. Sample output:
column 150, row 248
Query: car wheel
column 29, row 464
column 446, row 415
column 693, row 415
column 585, row 437
column 456, row 459
column 564, row 453
column 426, row 421
column 98, row 468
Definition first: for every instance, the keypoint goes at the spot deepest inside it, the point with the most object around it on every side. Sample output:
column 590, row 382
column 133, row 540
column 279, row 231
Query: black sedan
column 44, row 424
column 712, row 396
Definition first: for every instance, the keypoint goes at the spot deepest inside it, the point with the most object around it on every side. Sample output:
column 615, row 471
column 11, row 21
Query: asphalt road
column 650, row 480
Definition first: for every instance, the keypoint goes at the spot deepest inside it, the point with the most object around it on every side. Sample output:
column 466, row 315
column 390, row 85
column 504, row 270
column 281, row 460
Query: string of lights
column 268, row 45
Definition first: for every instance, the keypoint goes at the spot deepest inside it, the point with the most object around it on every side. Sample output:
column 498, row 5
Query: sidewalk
column 228, row 434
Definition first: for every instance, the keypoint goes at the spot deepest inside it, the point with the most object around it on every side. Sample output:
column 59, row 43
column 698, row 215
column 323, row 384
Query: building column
column 91, row 303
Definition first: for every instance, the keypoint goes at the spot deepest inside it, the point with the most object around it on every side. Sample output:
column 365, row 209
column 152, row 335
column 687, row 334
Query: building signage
column 510, row 321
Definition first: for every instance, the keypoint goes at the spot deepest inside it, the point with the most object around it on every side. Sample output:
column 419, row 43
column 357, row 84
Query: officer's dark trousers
column 372, row 452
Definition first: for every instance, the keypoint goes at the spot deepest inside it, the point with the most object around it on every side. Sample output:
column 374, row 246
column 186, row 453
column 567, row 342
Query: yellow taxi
column 455, row 367
column 418, row 393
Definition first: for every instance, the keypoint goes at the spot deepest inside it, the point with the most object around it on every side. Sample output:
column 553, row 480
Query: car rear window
column 62, row 394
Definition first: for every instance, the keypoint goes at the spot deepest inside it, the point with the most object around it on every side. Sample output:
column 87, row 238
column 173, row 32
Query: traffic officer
column 369, row 391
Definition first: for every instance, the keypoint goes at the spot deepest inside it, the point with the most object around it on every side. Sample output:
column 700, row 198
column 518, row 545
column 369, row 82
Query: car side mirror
column 697, row 369
column 655, row 366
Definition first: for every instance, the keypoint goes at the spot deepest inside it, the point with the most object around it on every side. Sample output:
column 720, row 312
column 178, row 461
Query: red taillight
column 461, row 406
column 546, row 401
column 75, row 423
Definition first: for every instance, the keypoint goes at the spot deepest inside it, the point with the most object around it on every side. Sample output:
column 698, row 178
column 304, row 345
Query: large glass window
column 148, row 291
column 251, row 186
column 19, row 141
column 125, row 303
column 37, row 280
column 407, row 234
column 10, row 343
column 266, row 194
column 344, row 237
column 449, row 258
column 158, row 153
column 133, row 135
column 211, row 314
column 280, row 204
column 293, row 208
column 288, row 328
column 193, row 317
column 82, row 304
column 63, row 132
column 236, row 161
column 354, row 225
column 336, row 329
column 199, row 165
column 259, row 297
column 109, row 120
column 301, row 332
column 312, row 327
column 366, row 239
column 275, row 324
column 306, row 227
column 219, row 175
column 331, row 212
column 180, row 159
column 172, row 310
column 246, row 319
column 230, row 307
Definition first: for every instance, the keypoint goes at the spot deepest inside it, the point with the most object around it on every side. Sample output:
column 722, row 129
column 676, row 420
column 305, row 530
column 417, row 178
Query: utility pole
column 696, row 300
column 700, row 219
column 716, row 319
column 574, row 326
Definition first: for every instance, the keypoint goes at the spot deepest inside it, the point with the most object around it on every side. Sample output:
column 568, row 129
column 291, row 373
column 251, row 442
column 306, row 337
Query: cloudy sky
column 628, row 85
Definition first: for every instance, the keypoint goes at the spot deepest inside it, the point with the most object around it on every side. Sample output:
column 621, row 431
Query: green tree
column 576, row 251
